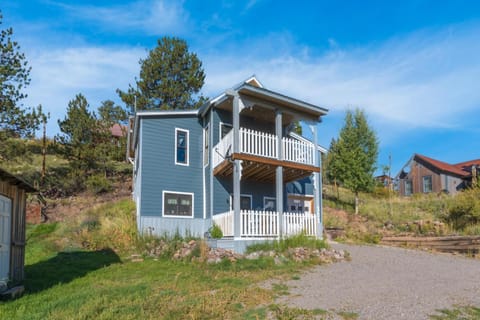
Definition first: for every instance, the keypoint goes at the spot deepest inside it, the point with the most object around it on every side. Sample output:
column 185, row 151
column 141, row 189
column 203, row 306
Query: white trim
column 174, row 216
column 241, row 195
column 163, row 113
column 188, row 147
column 220, row 129
column 269, row 198
column 206, row 128
column 205, row 166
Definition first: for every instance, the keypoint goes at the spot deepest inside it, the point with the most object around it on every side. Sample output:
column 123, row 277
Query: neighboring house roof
column 4, row 175
column 462, row 170
column 467, row 165
column 119, row 130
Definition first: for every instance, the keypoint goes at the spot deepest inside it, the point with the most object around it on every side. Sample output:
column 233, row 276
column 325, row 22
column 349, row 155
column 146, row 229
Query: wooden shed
column 13, row 194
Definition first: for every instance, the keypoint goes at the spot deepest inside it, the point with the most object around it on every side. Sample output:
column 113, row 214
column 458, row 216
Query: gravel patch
column 388, row 283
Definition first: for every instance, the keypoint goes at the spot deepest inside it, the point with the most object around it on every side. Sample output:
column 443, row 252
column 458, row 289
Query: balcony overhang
column 263, row 169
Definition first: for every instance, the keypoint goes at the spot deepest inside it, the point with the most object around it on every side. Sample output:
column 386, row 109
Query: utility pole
column 390, row 183
column 44, row 150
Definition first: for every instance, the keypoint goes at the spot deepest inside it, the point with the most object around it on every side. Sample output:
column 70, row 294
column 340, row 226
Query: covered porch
column 267, row 224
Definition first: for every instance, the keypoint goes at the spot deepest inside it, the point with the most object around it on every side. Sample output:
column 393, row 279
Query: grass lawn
column 65, row 281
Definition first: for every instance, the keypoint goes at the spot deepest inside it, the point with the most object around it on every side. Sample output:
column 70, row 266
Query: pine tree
column 15, row 120
column 354, row 155
column 170, row 78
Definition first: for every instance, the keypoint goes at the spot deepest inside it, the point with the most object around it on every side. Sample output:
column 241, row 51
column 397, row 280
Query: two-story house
column 228, row 163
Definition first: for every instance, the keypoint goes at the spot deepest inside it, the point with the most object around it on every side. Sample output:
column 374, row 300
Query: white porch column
column 317, row 183
column 279, row 171
column 236, row 163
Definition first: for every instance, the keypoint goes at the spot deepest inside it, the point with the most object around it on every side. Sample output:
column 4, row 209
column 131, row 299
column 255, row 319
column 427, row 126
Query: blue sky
column 413, row 66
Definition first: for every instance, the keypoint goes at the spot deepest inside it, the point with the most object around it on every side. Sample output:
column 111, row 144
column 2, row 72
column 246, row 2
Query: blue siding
column 223, row 188
column 159, row 171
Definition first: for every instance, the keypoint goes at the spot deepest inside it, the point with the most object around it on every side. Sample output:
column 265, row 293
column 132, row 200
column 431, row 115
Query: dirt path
column 388, row 283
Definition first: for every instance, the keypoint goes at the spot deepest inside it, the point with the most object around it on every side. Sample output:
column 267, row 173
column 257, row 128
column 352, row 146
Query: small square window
column 177, row 204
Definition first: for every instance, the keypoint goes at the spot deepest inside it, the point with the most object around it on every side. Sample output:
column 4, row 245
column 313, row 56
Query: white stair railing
column 225, row 222
column 223, row 149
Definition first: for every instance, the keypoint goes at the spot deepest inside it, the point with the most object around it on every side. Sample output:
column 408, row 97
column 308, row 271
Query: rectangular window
column 269, row 204
column 427, row 184
column 225, row 128
column 177, row 204
column 206, row 143
column 245, row 202
column 408, row 187
column 181, row 147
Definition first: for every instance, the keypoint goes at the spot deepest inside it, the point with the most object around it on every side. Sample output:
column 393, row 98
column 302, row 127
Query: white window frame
column 206, row 140
column 187, row 149
column 408, row 181
column 431, row 183
column 176, row 216
column 242, row 195
column 220, row 129
column 269, row 198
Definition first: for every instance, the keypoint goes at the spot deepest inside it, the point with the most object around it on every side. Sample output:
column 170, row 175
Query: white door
column 5, row 235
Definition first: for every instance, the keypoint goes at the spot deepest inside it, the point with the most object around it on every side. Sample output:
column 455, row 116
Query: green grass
column 69, row 278
column 463, row 312
column 284, row 244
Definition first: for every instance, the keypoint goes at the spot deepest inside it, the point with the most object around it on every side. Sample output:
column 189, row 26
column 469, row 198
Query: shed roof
column 442, row 166
column 4, row 175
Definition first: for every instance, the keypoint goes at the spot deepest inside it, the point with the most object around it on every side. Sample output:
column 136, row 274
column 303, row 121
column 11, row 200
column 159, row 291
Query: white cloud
column 154, row 17
column 427, row 79
column 59, row 74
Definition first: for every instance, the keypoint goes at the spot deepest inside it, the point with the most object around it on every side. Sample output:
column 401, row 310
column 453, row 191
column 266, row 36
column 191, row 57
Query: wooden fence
column 460, row 244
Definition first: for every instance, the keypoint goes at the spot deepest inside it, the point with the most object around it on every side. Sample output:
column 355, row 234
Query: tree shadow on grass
column 65, row 267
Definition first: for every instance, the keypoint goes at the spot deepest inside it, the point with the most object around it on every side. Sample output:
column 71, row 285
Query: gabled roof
column 442, row 166
column 252, row 86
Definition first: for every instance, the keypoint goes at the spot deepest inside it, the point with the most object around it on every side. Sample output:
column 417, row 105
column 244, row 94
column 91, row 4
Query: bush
column 98, row 184
column 282, row 245
column 464, row 210
column 216, row 232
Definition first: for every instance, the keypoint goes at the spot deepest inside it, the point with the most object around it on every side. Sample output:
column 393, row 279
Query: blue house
column 234, row 162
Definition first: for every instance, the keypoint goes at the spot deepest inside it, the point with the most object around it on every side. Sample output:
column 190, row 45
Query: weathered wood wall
column 17, row 250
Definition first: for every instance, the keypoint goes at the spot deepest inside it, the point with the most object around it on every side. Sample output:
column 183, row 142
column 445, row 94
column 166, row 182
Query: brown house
column 13, row 194
column 422, row 174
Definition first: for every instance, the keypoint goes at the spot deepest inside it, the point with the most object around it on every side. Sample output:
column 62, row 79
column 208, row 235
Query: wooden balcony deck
column 259, row 156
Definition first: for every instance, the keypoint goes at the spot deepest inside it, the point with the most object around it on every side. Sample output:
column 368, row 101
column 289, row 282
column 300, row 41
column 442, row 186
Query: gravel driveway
column 388, row 283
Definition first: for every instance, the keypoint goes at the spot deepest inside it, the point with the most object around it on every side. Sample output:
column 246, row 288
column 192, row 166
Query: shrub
column 282, row 245
column 216, row 232
column 464, row 210
column 98, row 184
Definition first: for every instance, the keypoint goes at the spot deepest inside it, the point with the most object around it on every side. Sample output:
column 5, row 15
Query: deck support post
column 236, row 164
column 317, row 183
column 279, row 172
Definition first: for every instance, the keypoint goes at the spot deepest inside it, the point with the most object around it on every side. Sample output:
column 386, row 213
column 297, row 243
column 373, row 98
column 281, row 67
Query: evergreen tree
column 110, row 113
column 170, row 78
column 15, row 121
column 353, row 157
column 80, row 136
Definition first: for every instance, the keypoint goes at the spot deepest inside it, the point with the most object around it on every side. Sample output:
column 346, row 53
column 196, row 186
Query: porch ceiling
column 257, row 111
column 263, row 169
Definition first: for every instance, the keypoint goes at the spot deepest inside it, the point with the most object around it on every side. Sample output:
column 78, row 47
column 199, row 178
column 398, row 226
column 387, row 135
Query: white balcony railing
column 264, row 144
column 258, row 224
